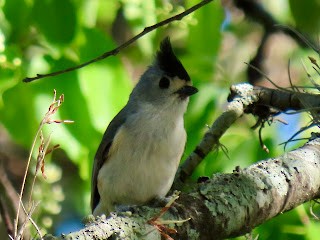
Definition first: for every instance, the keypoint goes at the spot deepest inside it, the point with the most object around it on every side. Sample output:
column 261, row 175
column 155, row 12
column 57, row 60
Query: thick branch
column 243, row 99
column 285, row 100
column 227, row 205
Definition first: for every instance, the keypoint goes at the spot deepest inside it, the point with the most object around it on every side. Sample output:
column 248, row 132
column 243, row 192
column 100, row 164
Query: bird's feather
column 169, row 63
column 102, row 154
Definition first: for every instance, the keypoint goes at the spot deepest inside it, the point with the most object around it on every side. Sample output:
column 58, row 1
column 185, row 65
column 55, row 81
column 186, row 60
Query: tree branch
column 210, row 141
column 115, row 51
column 227, row 205
column 244, row 98
column 257, row 13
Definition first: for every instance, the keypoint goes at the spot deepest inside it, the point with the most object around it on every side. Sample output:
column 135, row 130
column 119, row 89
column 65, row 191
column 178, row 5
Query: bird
column 140, row 151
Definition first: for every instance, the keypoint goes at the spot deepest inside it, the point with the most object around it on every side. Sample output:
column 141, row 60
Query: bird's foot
column 127, row 210
column 159, row 223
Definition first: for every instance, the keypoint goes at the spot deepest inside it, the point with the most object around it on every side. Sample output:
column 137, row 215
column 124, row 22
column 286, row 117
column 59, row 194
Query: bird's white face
column 165, row 82
column 177, row 84
column 163, row 91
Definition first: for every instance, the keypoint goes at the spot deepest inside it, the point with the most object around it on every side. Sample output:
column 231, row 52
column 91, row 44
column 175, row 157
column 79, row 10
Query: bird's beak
column 186, row 91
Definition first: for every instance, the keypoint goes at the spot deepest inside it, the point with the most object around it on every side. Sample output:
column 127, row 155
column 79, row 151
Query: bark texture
column 227, row 205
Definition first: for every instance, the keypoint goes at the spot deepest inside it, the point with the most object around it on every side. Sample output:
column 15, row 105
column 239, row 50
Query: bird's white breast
column 146, row 152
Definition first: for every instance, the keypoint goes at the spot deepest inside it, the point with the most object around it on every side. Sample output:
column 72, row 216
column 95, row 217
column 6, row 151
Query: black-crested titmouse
column 140, row 151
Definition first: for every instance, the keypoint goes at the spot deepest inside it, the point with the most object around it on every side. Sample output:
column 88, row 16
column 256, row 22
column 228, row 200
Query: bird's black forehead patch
column 169, row 63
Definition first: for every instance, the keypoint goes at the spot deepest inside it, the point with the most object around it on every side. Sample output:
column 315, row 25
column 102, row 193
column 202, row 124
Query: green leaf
column 204, row 41
column 75, row 106
column 306, row 15
column 18, row 114
column 56, row 19
column 105, row 84
column 95, row 43
column 17, row 12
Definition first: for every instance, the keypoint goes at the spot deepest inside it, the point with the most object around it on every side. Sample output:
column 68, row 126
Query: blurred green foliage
column 306, row 15
column 41, row 36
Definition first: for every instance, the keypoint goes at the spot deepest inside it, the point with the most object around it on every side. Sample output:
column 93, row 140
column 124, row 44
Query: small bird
column 141, row 149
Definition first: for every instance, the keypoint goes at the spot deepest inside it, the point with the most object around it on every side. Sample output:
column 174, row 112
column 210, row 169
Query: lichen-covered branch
column 285, row 100
column 226, row 205
column 245, row 98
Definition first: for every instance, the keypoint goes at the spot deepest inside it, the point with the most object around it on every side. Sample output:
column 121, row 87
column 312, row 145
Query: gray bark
column 227, row 205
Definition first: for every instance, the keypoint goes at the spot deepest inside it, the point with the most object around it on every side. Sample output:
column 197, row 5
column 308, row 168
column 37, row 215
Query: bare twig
column 40, row 161
column 256, row 11
column 53, row 108
column 115, row 51
column 226, row 205
column 5, row 217
column 10, row 191
column 265, row 76
column 28, row 214
column 244, row 98
column 12, row 197
column 24, row 181
column 262, row 145
column 312, row 212
column 300, row 38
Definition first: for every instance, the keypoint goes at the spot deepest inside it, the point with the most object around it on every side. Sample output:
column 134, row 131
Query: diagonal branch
column 227, row 205
column 115, row 51
column 210, row 141
column 245, row 98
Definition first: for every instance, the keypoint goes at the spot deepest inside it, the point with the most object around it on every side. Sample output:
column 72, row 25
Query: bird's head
column 166, row 82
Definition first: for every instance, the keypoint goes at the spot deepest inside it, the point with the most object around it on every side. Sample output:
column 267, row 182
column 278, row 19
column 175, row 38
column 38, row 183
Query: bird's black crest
column 169, row 63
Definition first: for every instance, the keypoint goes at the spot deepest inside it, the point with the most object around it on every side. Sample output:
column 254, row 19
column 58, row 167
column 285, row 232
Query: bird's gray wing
column 102, row 153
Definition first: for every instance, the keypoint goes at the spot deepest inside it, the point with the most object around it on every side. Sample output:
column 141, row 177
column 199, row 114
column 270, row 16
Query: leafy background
column 41, row 36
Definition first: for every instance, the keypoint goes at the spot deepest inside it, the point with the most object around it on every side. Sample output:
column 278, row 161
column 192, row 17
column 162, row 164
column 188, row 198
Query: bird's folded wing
column 102, row 154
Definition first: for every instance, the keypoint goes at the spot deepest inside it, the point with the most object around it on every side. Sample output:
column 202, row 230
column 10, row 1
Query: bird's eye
column 164, row 82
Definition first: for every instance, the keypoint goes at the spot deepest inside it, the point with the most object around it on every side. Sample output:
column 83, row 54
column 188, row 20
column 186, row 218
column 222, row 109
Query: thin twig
column 210, row 141
column 9, row 190
column 296, row 134
column 24, row 179
column 293, row 88
column 41, row 156
column 115, row 51
column 298, row 36
column 300, row 110
column 11, row 194
column 31, row 220
column 312, row 212
column 5, row 217
column 265, row 76
column 53, row 108
column 262, row 145
column 28, row 214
